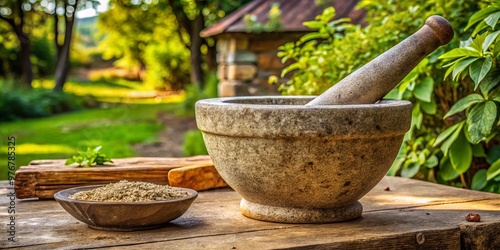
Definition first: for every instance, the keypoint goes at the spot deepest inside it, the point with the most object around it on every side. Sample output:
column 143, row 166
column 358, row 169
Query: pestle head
column 441, row 28
column 375, row 79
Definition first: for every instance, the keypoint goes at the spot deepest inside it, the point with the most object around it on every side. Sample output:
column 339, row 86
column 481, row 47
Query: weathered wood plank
column 215, row 222
column 43, row 178
column 197, row 177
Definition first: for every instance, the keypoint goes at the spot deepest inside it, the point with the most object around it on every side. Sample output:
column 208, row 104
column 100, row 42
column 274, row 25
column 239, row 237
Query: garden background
column 127, row 78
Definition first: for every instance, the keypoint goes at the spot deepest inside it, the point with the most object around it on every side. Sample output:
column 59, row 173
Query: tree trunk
column 62, row 66
column 27, row 66
column 56, row 35
column 197, row 77
column 26, row 60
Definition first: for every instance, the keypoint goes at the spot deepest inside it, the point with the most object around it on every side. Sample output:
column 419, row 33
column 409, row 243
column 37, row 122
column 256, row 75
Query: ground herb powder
column 130, row 191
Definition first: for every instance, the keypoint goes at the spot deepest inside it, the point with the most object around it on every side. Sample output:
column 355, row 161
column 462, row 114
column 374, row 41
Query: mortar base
column 300, row 215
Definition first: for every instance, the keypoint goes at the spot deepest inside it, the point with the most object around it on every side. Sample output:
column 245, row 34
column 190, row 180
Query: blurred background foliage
column 126, row 66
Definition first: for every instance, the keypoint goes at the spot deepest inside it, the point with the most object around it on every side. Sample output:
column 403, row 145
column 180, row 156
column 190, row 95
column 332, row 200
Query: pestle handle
column 375, row 79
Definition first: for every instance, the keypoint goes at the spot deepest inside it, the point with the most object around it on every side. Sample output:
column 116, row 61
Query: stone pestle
column 374, row 80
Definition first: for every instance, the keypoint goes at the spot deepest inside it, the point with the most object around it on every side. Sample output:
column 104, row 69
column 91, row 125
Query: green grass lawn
column 125, row 121
column 60, row 136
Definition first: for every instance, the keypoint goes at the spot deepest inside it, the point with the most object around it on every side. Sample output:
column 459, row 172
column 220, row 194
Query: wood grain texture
column 43, row 178
column 391, row 220
column 197, row 177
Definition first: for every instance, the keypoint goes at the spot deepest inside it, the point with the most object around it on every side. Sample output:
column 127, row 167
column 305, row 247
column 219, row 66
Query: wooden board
column 413, row 215
column 197, row 177
column 43, row 178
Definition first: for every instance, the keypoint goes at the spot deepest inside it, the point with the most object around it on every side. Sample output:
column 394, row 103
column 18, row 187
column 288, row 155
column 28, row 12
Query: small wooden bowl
column 124, row 216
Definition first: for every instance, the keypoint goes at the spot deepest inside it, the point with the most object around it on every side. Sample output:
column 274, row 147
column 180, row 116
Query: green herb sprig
column 89, row 157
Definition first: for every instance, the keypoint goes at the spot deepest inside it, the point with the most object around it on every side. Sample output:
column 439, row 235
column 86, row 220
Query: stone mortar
column 301, row 164
column 305, row 160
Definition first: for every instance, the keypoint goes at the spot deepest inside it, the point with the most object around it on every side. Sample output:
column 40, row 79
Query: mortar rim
column 217, row 116
column 225, row 102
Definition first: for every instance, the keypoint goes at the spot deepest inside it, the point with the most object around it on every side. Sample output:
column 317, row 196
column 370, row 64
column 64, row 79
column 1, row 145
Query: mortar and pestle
column 297, row 159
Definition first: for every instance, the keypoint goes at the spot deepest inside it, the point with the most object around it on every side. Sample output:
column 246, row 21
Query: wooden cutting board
column 43, row 178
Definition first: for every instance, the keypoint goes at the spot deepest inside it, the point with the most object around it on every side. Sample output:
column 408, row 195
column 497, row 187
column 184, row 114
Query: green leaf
column 445, row 134
column 423, row 90
column 492, row 19
column 460, row 67
column 70, row 161
column 496, row 48
column 400, row 158
column 493, row 154
column 489, row 86
column 417, row 117
column 493, row 170
column 340, row 20
column 410, row 170
column 446, row 171
column 479, row 27
column 429, row 107
column 490, row 39
column 101, row 159
column 479, row 69
column 479, row 180
column 292, row 67
column 445, row 147
column 497, row 178
column 448, row 72
column 313, row 24
column 432, row 161
column 460, row 52
column 492, row 188
column 480, row 16
column 478, row 41
column 96, row 149
column 393, row 94
column 481, row 119
column 463, row 104
column 478, row 150
column 313, row 36
column 460, row 154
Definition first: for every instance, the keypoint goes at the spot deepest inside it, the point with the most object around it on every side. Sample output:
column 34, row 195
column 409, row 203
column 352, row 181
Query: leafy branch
column 477, row 58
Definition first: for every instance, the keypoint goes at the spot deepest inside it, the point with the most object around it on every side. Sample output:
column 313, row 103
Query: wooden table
column 412, row 215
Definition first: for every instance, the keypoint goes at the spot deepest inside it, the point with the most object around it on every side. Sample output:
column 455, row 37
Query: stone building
column 246, row 59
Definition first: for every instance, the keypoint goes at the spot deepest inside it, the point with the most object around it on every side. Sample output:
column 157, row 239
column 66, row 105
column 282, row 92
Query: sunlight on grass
column 118, row 91
column 128, row 115
column 116, row 129
column 31, row 148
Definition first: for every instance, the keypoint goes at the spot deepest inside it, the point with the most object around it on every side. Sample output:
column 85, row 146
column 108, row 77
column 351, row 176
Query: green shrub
column 194, row 144
column 193, row 140
column 336, row 48
column 167, row 66
column 194, row 93
column 20, row 104
column 43, row 56
column 477, row 128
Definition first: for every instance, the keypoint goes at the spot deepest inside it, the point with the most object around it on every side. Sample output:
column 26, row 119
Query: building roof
column 293, row 14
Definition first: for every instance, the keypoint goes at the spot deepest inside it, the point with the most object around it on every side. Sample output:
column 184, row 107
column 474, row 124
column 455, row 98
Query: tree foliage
column 193, row 16
column 27, row 18
column 162, row 37
column 145, row 37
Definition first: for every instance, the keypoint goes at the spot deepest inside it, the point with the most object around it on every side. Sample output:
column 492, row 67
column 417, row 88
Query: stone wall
column 245, row 63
